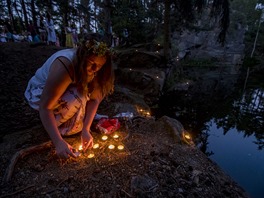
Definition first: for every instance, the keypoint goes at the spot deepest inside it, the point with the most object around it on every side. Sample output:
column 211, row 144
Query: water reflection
column 238, row 157
column 242, row 111
column 228, row 127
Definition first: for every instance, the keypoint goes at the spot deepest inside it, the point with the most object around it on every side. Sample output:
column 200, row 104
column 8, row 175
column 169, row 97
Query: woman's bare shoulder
column 66, row 65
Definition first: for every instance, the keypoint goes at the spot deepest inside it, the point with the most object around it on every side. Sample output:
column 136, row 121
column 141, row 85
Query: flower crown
column 98, row 48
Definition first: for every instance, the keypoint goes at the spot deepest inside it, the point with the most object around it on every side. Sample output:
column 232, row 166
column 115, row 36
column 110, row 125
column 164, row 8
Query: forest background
column 145, row 20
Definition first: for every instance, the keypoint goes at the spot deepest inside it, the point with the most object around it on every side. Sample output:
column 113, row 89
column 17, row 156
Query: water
column 239, row 157
column 230, row 130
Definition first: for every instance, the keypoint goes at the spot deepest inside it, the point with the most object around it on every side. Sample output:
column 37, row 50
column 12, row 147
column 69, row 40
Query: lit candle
column 120, row 147
column 115, row 136
column 91, row 155
column 148, row 114
column 105, row 137
column 80, row 148
column 187, row 136
column 95, row 146
column 111, row 146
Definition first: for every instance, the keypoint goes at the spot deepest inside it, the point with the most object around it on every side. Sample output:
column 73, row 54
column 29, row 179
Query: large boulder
column 141, row 72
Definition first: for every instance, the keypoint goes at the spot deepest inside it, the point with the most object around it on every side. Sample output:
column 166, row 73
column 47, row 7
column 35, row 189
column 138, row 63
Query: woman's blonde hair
column 93, row 45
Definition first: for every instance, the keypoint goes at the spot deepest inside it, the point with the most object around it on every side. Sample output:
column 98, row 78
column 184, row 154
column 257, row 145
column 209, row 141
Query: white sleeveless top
column 37, row 82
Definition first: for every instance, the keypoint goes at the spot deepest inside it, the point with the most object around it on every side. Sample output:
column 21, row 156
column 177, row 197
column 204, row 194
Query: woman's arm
column 56, row 84
column 91, row 109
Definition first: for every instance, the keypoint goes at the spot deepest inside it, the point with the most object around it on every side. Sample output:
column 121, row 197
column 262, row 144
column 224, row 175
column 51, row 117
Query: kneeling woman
column 68, row 89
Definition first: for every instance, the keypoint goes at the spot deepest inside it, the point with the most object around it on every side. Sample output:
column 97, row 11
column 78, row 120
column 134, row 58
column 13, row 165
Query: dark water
column 228, row 128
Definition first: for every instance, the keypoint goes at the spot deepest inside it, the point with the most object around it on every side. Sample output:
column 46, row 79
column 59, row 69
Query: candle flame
column 115, row 136
column 120, row 147
column 80, row 148
column 95, row 146
column 111, row 146
column 187, row 136
column 91, row 155
column 105, row 137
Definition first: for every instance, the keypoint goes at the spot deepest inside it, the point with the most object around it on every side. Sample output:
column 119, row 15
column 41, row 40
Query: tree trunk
column 167, row 30
column 19, row 17
column 24, row 12
column 10, row 13
column 107, row 18
column 33, row 11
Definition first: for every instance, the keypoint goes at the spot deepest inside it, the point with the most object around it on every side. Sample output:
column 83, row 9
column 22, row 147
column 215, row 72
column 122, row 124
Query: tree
column 24, row 12
column 167, row 30
column 33, row 12
column 10, row 13
column 143, row 19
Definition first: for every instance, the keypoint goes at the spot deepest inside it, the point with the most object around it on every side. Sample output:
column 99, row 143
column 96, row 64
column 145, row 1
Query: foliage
column 250, row 62
column 143, row 19
column 246, row 14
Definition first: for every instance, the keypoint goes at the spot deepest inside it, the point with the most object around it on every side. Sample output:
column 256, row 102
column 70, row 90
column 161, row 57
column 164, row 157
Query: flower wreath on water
column 98, row 48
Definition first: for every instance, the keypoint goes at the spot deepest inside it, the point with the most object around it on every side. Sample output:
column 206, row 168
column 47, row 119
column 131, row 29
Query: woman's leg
column 70, row 111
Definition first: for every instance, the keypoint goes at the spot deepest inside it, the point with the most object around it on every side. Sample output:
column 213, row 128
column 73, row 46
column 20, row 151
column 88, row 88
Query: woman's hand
column 87, row 140
column 64, row 150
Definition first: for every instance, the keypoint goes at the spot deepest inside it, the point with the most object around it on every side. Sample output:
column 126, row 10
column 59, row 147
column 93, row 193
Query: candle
column 80, row 148
column 105, row 137
column 115, row 136
column 187, row 136
column 95, row 146
column 111, row 146
column 91, row 155
column 120, row 147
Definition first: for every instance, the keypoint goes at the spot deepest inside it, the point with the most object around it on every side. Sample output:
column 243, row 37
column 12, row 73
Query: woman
column 68, row 89
column 41, row 29
column 50, row 30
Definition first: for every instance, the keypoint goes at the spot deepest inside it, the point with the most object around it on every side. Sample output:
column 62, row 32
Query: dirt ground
column 152, row 163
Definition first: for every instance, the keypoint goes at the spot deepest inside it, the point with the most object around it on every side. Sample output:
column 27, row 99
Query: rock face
column 141, row 72
column 203, row 45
